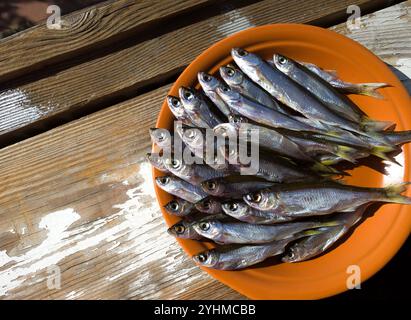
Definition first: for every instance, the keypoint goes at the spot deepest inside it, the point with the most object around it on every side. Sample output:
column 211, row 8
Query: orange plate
column 376, row 240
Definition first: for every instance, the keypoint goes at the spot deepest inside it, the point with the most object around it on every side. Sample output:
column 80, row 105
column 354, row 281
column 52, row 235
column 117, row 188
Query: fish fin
column 368, row 89
column 310, row 232
column 393, row 193
column 345, row 151
column 374, row 125
column 380, row 153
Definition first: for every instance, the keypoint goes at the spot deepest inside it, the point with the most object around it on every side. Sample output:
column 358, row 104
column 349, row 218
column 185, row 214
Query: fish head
column 155, row 160
column 247, row 61
column 189, row 98
column 265, row 200
column 225, row 130
column 209, row 228
column 193, row 137
column 176, row 207
column 235, row 208
column 283, row 63
column 207, row 258
column 161, row 137
column 207, row 81
column 231, row 97
column 163, row 181
column 209, row 206
column 231, row 75
column 178, row 167
column 237, row 119
column 183, row 230
column 175, row 106
column 213, row 187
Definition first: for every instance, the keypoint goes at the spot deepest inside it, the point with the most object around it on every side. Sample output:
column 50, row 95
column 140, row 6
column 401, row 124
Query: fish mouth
column 238, row 52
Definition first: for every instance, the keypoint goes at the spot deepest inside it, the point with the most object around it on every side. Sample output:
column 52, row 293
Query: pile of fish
column 295, row 205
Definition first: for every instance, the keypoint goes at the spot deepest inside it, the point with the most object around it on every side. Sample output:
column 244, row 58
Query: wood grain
column 80, row 198
column 82, row 30
column 96, row 83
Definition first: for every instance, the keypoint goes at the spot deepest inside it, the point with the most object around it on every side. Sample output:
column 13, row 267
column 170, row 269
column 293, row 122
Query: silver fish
column 179, row 207
column 287, row 91
column 259, row 113
column 241, row 211
column 185, row 228
column 301, row 200
column 198, row 109
column 267, row 138
column 336, row 101
column 315, row 245
column 161, row 137
column 156, row 161
column 367, row 89
column 181, row 188
column 210, row 85
column 242, row 256
column 245, row 233
column 195, row 173
column 222, row 188
column 209, row 205
column 238, row 81
column 178, row 110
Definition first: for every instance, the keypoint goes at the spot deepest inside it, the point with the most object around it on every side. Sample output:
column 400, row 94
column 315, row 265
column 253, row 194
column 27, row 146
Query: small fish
column 179, row 207
column 245, row 233
column 334, row 100
column 161, row 137
column 238, row 81
column 198, row 109
column 209, row 205
column 177, row 109
column 302, row 200
column 222, row 188
column 315, row 245
column 181, row 188
column 367, row 89
column 241, row 256
column 156, row 161
column 185, row 228
column 210, row 85
column 287, row 91
column 259, row 113
column 196, row 173
column 241, row 211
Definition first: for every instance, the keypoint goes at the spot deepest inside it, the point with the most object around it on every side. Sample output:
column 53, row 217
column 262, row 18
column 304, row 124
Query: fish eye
column 179, row 229
column 242, row 52
column 174, row 206
column 188, row 94
column 191, row 134
column 256, row 197
column 233, row 206
column 282, row 60
column 175, row 163
column 230, row 72
column 211, row 185
column 207, row 205
column 161, row 136
column 204, row 226
column 175, row 102
column 226, row 89
column 164, row 180
column 202, row 257
column 206, row 77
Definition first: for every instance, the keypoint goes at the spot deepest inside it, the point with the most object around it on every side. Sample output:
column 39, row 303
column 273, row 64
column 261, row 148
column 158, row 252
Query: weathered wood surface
column 82, row 30
column 80, row 197
column 95, row 82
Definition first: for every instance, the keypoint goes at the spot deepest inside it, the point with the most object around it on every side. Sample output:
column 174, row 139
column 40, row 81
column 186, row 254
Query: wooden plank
column 96, row 83
column 82, row 30
column 80, row 197
column 383, row 33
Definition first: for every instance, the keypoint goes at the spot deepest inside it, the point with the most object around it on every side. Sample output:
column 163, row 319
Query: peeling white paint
column 234, row 22
column 74, row 295
column 17, row 109
column 404, row 65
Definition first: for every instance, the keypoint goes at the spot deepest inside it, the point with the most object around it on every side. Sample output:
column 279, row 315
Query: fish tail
column 322, row 168
column 380, row 153
column 346, row 153
column 367, row 89
column 393, row 192
column 374, row 125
